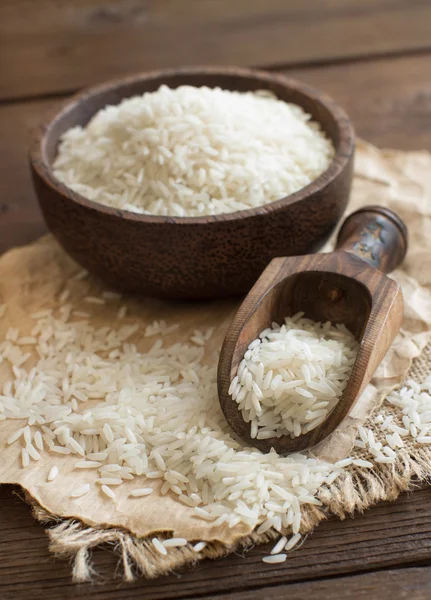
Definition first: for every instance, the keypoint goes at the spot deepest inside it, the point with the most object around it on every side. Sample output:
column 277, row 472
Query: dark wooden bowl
column 192, row 257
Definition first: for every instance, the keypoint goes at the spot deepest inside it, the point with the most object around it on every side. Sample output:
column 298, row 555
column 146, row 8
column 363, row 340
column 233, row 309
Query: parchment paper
column 33, row 277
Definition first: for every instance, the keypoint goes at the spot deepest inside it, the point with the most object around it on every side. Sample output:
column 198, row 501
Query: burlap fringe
column 355, row 491
column 71, row 539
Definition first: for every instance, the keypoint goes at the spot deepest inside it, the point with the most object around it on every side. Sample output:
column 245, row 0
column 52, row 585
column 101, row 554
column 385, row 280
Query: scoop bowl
column 348, row 286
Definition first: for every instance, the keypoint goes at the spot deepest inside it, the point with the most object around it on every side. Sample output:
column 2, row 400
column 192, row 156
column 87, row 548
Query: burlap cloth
column 33, row 277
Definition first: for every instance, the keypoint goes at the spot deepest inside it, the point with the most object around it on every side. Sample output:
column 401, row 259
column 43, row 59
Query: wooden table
column 373, row 57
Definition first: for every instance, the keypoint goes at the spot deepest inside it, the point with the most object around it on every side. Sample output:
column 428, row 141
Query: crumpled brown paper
column 32, row 278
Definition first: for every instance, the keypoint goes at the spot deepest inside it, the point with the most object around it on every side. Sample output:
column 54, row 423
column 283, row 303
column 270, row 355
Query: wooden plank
column 411, row 584
column 389, row 101
column 387, row 536
column 383, row 111
column 20, row 219
column 56, row 46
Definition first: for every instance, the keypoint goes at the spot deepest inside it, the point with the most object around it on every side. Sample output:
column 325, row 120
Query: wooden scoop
column 346, row 286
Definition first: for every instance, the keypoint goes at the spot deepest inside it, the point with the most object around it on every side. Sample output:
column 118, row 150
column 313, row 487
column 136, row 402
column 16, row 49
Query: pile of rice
column 142, row 418
column 414, row 400
column 292, row 376
column 193, row 151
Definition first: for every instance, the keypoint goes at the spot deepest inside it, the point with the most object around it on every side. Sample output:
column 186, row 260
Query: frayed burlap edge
column 356, row 490
column 70, row 538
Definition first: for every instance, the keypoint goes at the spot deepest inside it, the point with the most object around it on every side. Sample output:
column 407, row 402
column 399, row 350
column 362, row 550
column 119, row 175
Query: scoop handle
column 377, row 235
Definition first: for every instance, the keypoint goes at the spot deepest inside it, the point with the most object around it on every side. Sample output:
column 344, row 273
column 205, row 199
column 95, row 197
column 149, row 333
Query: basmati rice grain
column 389, row 452
column 80, row 491
column 423, row 439
column 199, row 546
column 265, row 526
column 38, row 440
column 108, row 295
column 42, row 314
column 343, row 463
column 398, row 440
column 385, row 459
column 15, row 436
column 108, row 433
column 122, row 312
column 33, row 452
column 332, row 477
column 159, row 546
column 107, row 491
column 279, row 546
column 174, row 542
column 159, row 460
column 27, row 435
column 25, row 459
column 138, row 493
column 292, row 542
column 76, row 446
column 81, row 275
column 94, row 300
column 48, row 441
column 87, row 464
column 296, row 522
column 187, row 501
column 400, row 430
column 364, row 435
column 81, row 313
column 203, row 514
column 113, row 468
column 274, row 559
column 110, row 481
column 53, row 473
column 366, row 464
column 64, row 296
column 60, row 450
column 97, row 456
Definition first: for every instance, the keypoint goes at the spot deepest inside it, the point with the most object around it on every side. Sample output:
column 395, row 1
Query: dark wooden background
column 374, row 58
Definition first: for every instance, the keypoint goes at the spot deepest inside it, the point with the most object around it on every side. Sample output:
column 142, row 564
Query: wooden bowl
column 192, row 257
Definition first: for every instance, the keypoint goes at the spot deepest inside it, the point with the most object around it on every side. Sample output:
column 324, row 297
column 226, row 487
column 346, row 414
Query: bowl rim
column 343, row 153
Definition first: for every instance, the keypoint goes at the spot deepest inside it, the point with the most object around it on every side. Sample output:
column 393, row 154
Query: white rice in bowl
column 193, row 151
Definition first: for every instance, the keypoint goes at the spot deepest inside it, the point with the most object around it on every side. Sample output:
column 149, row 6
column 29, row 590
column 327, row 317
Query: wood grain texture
column 401, row 584
column 387, row 535
column 77, row 44
column 215, row 256
column 20, row 218
column 344, row 287
column 377, row 235
column 389, row 101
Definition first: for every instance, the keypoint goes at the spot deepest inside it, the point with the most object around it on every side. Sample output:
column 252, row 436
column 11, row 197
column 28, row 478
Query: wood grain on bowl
column 192, row 257
column 347, row 286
